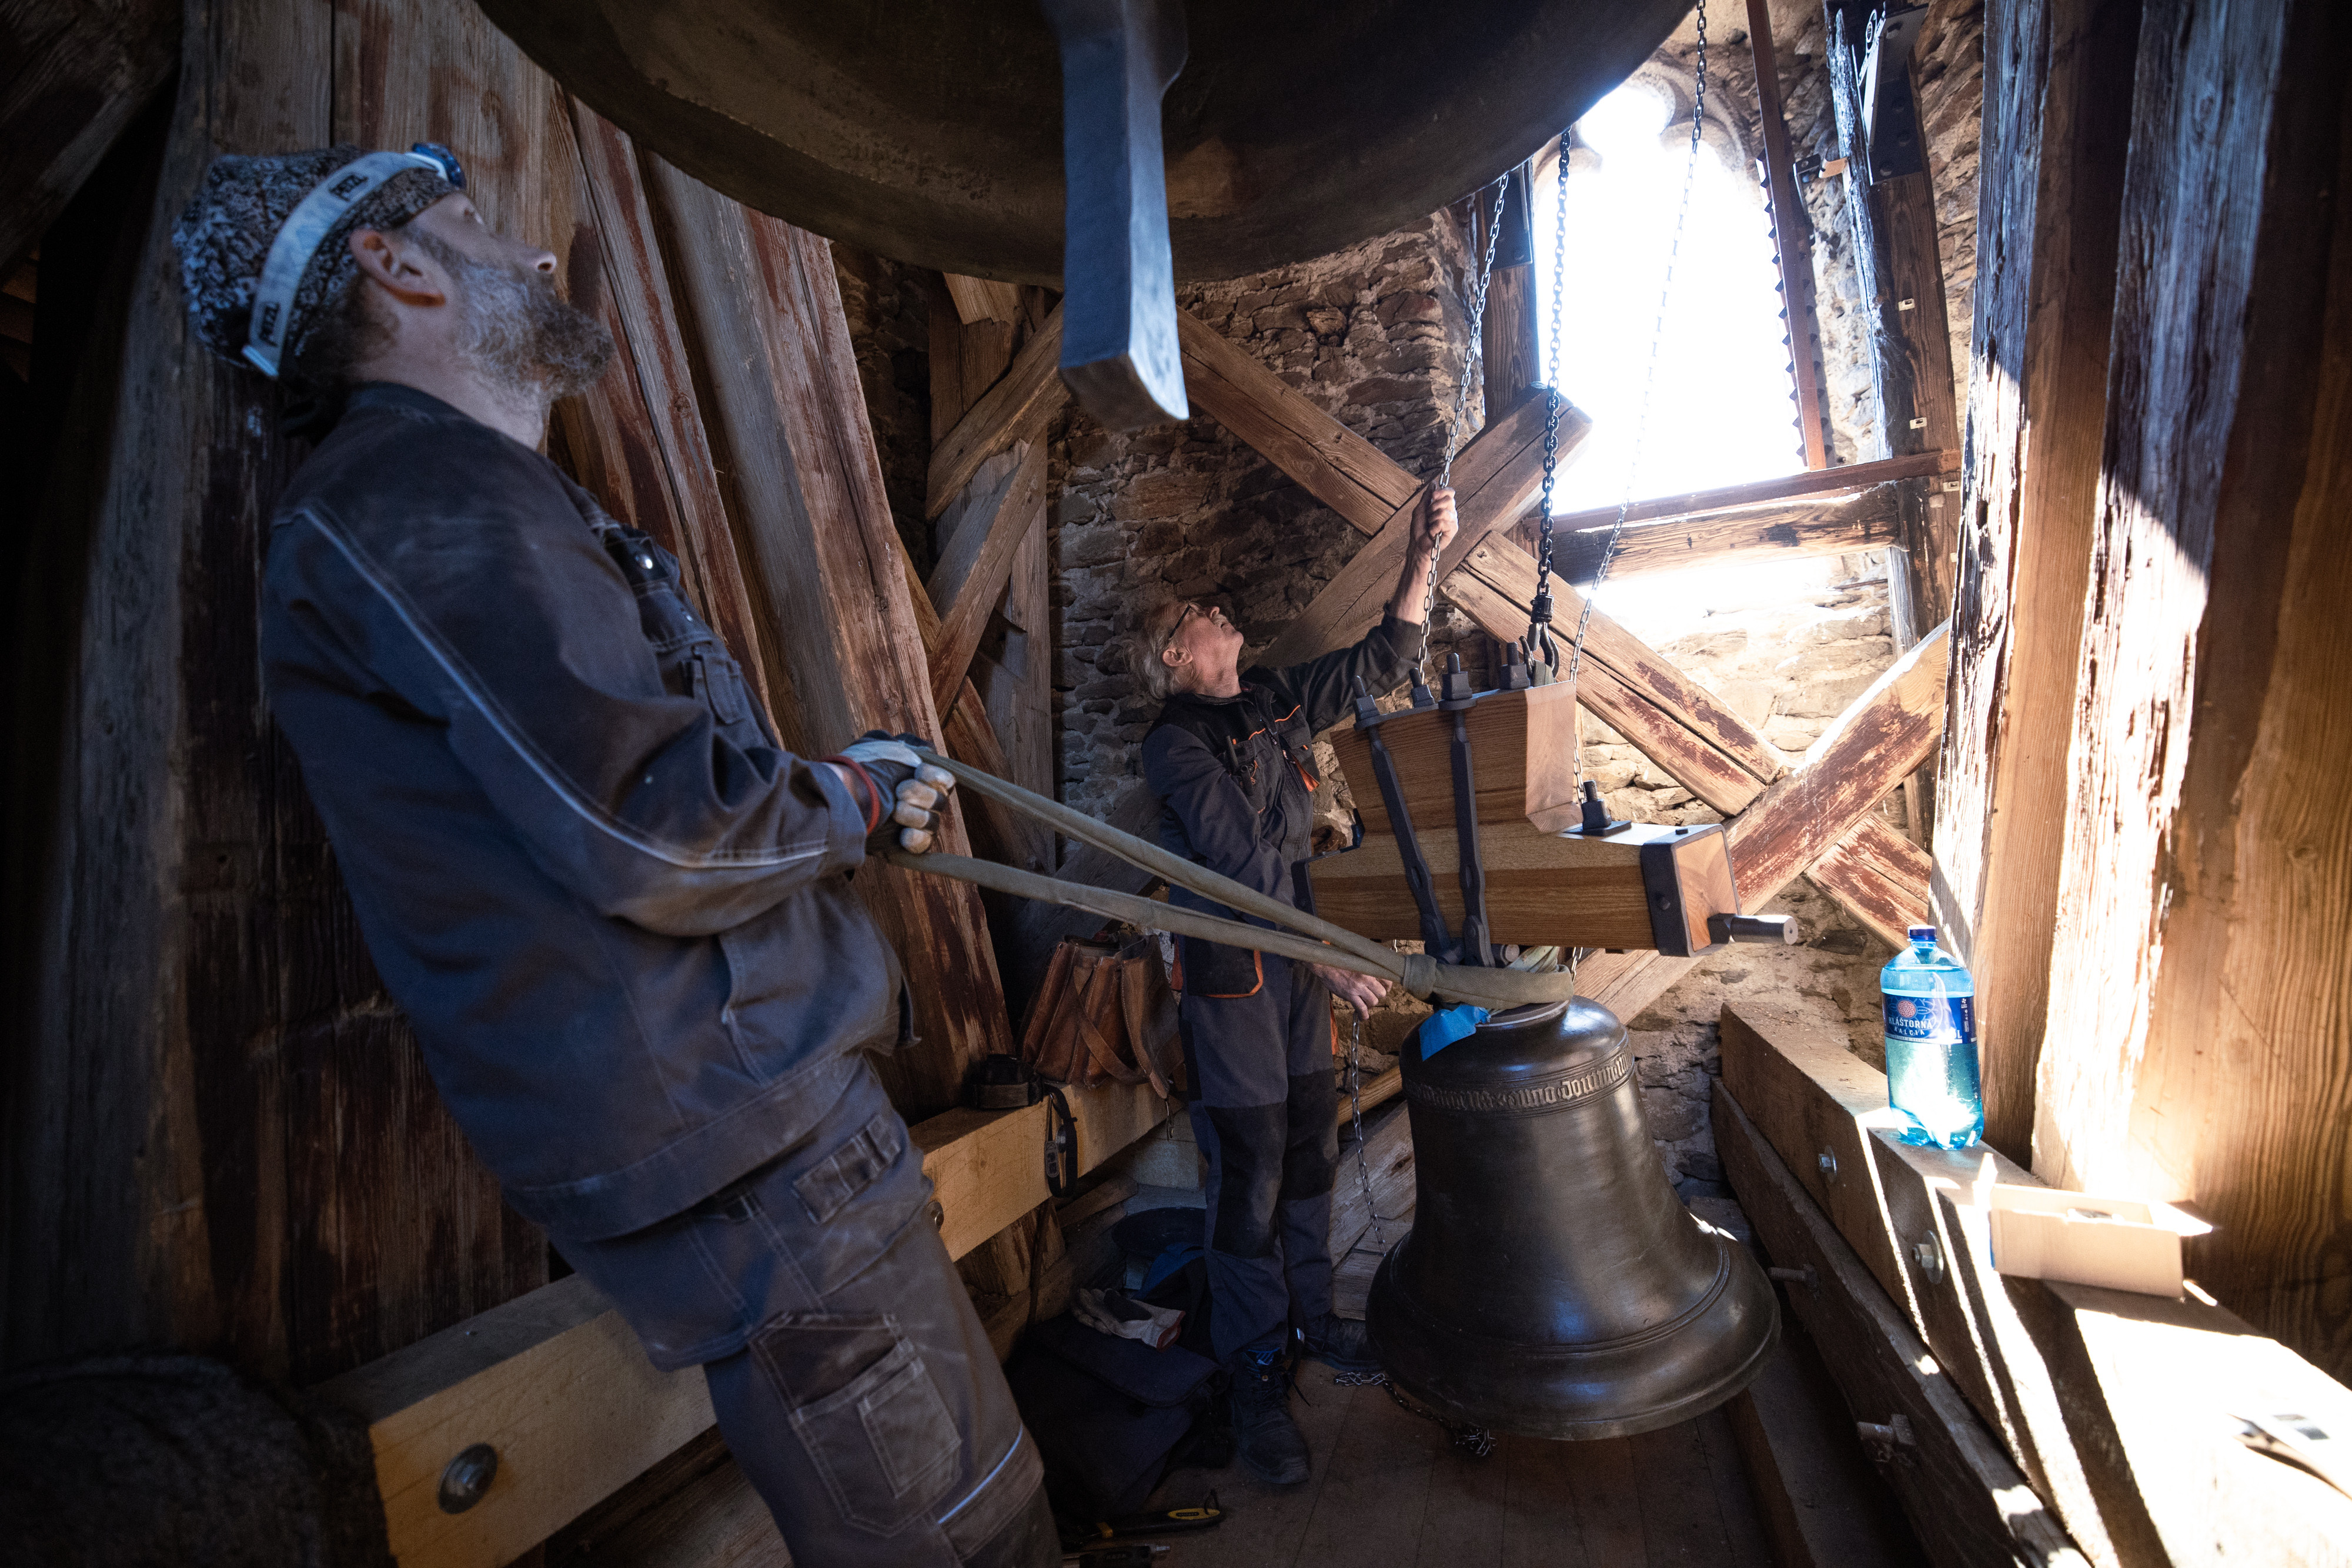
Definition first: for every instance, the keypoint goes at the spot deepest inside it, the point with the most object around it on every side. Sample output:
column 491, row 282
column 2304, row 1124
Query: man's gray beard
column 518, row 333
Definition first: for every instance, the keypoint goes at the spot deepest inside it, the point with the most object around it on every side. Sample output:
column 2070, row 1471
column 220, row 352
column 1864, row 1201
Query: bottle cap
column 1922, row 933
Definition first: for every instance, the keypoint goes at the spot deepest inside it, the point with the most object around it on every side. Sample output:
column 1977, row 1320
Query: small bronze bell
column 1552, row 1285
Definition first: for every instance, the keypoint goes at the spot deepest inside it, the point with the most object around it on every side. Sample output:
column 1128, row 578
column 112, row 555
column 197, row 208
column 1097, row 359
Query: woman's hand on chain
column 1434, row 526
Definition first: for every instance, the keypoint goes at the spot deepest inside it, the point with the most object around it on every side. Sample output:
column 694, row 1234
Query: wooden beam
column 1510, row 572
column 1791, row 240
column 991, row 1161
column 635, row 438
column 2057, row 125
column 557, row 1384
column 1494, row 477
column 1858, row 761
column 1330, row 462
column 2198, row 979
column 1822, row 1502
column 74, row 74
column 2114, row 1407
column 788, row 424
column 1879, row 877
column 1969, row 1505
column 979, row 299
column 981, row 538
column 1862, row 522
column 1016, row 408
column 1818, row 481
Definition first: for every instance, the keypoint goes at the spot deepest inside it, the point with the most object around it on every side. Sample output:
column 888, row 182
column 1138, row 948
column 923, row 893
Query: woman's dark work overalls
column 1237, row 786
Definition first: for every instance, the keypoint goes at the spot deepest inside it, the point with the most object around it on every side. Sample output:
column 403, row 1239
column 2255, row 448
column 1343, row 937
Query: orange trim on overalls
column 1257, row 959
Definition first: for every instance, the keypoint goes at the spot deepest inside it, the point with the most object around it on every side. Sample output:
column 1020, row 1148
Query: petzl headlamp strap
column 297, row 240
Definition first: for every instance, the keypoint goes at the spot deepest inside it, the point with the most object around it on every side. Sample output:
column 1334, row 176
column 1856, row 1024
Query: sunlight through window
column 1719, row 408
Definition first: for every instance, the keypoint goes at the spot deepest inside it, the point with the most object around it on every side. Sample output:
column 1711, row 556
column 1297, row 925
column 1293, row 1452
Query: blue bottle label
column 1931, row 1020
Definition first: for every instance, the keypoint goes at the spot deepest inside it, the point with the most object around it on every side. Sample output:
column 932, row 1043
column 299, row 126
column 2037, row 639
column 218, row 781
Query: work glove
column 902, row 794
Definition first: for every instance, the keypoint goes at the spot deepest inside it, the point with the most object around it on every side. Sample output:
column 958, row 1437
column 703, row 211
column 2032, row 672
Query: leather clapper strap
column 1459, row 700
column 1433, row 934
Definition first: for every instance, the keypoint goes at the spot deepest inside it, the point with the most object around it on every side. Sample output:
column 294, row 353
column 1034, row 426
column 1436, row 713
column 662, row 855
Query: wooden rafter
column 1785, row 530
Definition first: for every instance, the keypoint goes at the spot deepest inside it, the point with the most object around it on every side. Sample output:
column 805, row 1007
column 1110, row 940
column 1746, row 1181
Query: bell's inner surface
column 930, row 131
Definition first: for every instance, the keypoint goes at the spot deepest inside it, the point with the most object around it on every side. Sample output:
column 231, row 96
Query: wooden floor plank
column 1369, row 1511
column 1682, row 1523
column 1604, row 1480
column 1263, row 1525
column 1748, row 1543
column 1468, row 1510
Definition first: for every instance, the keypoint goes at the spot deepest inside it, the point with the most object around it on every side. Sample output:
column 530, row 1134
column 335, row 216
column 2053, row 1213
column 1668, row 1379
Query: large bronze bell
column 1552, row 1285
column 930, row 131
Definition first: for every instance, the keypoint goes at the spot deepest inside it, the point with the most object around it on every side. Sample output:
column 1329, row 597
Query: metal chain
column 1473, row 359
column 1475, row 1441
column 1649, row 382
column 1356, row 1110
column 1539, row 649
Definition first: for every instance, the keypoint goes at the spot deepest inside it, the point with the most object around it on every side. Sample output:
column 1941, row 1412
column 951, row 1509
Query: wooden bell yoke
column 1476, row 835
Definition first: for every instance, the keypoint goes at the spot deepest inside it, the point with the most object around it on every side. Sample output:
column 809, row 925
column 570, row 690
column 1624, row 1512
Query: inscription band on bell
column 1546, row 1096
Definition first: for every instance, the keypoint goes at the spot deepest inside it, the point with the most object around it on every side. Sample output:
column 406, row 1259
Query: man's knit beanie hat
column 225, row 235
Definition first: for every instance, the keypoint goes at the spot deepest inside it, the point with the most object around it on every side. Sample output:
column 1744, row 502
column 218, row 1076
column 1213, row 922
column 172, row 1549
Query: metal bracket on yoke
column 1597, row 823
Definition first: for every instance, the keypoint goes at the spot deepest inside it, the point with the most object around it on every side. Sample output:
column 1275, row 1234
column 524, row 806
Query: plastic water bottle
column 1931, row 1044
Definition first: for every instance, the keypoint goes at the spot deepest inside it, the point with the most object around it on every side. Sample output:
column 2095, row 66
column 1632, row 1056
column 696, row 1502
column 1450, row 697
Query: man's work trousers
column 851, row 1376
column 1264, row 1112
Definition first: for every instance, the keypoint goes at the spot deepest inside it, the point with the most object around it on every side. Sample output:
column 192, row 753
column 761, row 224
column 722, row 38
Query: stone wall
column 1374, row 335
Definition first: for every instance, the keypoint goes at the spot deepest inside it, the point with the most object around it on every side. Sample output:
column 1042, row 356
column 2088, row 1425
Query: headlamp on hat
column 309, row 223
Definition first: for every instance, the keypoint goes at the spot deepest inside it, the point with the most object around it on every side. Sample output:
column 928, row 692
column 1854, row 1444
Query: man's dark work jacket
column 617, row 913
column 1236, row 783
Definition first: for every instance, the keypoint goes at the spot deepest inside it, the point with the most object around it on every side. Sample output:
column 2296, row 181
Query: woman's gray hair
column 1145, row 642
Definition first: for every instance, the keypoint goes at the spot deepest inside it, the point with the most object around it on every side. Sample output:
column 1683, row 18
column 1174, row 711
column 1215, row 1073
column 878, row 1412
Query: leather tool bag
column 1104, row 1014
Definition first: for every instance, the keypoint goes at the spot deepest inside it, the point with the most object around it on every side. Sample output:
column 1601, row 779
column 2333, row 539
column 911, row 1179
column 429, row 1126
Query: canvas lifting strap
column 1302, row 938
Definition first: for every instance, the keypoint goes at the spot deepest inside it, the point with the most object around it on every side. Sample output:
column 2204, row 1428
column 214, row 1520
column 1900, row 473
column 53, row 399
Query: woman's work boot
column 1267, row 1440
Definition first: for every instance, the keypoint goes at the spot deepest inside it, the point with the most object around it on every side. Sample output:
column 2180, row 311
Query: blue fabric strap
column 1440, row 1030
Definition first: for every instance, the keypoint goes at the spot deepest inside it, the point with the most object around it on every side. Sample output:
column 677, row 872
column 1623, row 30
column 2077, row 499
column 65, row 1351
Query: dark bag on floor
column 1110, row 1415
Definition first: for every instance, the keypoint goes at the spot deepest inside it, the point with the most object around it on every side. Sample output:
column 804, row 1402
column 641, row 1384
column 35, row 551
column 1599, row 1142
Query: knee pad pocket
column 866, row 1409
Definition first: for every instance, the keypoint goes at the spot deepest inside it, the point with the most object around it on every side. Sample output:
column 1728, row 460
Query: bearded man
column 1231, row 759
column 615, row 910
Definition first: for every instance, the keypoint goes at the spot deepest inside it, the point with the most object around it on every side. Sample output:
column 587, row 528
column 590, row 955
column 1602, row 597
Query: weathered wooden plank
column 74, row 74
column 2205, row 899
column 2057, row 127
column 977, row 558
column 1494, row 476
column 1792, row 241
column 1966, row 1500
column 979, row 299
column 1016, row 408
column 2022, row 1352
column 1862, row 522
column 1822, row 1504
column 1510, row 572
column 992, row 1162
column 1814, row 482
column 227, row 1141
column 1330, row 462
column 787, row 420
column 1879, row 877
column 635, row 438
column 556, row 1383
